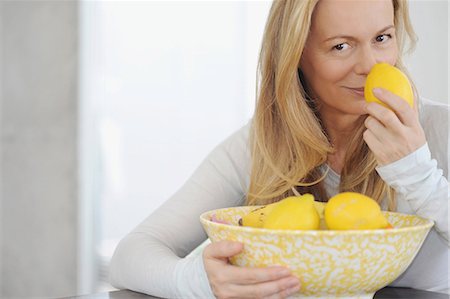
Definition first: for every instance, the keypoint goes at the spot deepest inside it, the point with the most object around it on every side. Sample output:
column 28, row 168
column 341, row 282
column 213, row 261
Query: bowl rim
column 427, row 225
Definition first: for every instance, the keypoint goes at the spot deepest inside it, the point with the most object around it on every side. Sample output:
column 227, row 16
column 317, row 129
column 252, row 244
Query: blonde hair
column 289, row 145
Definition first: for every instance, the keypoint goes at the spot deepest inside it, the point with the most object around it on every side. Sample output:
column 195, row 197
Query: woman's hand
column 392, row 135
column 228, row 281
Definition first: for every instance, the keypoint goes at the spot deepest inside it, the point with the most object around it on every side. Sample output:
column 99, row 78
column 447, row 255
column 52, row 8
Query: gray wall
column 1, row 148
column 39, row 149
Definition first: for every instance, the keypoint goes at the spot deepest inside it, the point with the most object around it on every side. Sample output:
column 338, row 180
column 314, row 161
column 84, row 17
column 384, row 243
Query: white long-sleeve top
column 153, row 259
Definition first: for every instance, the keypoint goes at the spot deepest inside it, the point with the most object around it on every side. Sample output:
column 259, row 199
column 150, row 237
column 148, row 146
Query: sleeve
column 152, row 258
column 418, row 180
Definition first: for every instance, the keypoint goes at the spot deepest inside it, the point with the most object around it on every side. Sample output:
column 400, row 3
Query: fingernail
column 293, row 282
column 235, row 245
column 284, row 272
column 377, row 91
column 293, row 290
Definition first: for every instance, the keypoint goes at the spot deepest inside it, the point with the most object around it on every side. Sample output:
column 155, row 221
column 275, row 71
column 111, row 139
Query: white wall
column 429, row 63
column 162, row 83
column 167, row 81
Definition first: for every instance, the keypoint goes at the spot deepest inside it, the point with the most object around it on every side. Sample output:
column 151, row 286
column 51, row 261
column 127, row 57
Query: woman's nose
column 367, row 58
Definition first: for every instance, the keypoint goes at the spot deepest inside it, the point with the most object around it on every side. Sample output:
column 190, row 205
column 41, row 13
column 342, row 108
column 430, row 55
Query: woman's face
column 347, row 38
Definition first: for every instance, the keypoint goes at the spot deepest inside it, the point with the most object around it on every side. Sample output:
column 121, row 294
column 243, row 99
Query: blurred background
column 107, row 107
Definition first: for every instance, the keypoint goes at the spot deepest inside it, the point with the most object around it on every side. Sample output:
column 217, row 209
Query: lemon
column 257, row 217
column 351, row 210
column 295, row 212
column 391, row 78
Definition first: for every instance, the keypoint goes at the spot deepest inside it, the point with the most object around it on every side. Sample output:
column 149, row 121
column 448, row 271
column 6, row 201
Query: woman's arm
column 151, row 258
column 418, row 180
column 413, row 155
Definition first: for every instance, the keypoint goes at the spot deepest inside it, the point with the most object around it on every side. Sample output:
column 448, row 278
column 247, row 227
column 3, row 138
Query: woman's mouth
column 358, row 91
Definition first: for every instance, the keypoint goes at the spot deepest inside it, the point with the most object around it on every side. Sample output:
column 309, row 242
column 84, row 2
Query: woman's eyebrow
column 351, row 37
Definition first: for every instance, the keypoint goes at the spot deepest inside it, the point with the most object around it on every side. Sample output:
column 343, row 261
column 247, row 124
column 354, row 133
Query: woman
column 312, row 130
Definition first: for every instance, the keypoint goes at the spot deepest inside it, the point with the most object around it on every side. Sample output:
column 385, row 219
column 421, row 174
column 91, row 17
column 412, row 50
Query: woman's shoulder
column 234, row 148
column 434, row 113
column 434, row 117
column 429, row 104
column 238, row 140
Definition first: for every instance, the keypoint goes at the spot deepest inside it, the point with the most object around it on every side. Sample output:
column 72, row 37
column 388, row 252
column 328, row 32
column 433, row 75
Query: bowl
column 328, row 263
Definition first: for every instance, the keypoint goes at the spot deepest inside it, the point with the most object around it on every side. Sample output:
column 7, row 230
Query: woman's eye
column 383, row 37
column 340, row 47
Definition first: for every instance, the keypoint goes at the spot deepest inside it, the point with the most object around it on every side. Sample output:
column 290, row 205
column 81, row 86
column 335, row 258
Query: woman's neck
column 340, row 127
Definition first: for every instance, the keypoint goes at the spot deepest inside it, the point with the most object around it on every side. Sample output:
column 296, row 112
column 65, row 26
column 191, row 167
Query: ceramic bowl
column 329, row 263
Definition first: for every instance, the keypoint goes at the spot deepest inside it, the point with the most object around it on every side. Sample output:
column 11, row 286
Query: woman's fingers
column 286, row 293
column 240, row 275
column 374, row 125
column 280, row 288
column 399, row 106
column 257, row 275
column 222, row 250
column 228, row 281
column 384, row 115
column 377, row 147
column 392, row 134
column 265, row 284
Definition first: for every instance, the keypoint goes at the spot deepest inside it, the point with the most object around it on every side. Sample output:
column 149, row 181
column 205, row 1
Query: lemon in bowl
column 391, row 78
column 328, row 263
column 352, row 210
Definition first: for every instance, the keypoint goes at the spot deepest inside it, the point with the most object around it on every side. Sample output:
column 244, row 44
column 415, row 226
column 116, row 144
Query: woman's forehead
column 336, row 17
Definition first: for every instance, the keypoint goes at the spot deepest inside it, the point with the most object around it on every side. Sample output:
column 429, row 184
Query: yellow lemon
column 351, row 210
column 391, row 78
column 295, row 212
column 257, row 217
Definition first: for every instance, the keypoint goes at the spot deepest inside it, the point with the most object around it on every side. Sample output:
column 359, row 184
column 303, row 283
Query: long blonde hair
column 289, row 145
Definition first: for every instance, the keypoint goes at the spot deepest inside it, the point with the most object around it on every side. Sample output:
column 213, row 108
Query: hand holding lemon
column 393, row 127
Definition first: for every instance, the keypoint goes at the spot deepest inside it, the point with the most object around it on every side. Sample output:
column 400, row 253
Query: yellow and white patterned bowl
column 329, row 263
